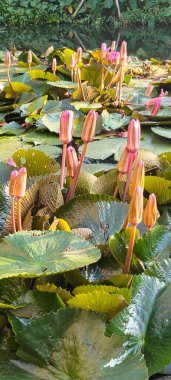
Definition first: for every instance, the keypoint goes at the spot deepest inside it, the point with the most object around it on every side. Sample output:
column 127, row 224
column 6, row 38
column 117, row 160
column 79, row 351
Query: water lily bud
column 20, row 185
column 149, row 90
column 72, row 61
column 7, row 59
column 133, row 141
column 54, row 64
column 72, row 161
column 150, row 213
column 11, row 162
column 12, row 183
column 154, row 105
column 163, row 93
column 123, row 52
column 103, row 50
column 29, row 57
column 113, row 45
column 66, row 126
column 126, row 161
column 89, row 126
column 79, row 55
column 135, row 211
column 113, row 58
column 137, row 178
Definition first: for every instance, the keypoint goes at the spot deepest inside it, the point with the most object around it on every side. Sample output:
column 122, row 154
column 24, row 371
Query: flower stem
column 116, row 191
column 12, row 215
column 71, row 191
column 130, row 250
column 63, row 165
column 19, row 214
column 125, row 223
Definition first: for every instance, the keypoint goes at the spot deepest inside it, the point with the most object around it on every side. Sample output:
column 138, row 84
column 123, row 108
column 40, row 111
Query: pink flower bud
column 103, row 50
column 113, row 57
column 12, row 183
column 72, row 61
column 149, row 90
column 163, row 93
column 54, row 64
column 7, row 59
column 29, row 57
column 20, row 185
column 66, row 126
column 123, row 52
column 89, row 126
column 79, row 55
column 11, row 162
column 135, row 211
column 113, row 46
column 72, row 161
column 150, row 213
column 133, row 141
column 126, row 161
column 154, row 105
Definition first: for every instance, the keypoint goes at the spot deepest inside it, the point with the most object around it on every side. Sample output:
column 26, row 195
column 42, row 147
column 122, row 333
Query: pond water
column 145, row 42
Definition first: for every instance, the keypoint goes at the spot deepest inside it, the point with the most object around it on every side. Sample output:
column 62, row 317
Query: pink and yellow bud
column 126, row 161
column 20, row 184
column 66, row 126
column 150, row 213
column 7, row 59
column 89, row 126
column 12, row 183
column 103, row 50
column 72, row 161
column 72, row 61
column 133, row 140
column 123, row 52
column 137, row 178
column 54, row 65
column 29, row 57
column 79, row 55
column 135, row 211
column 149, row 90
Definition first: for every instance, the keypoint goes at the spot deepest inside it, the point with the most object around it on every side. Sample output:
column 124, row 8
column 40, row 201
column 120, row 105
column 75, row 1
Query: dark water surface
column 146, row 42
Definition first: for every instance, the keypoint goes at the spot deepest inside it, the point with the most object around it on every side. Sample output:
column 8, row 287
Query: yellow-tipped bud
column 66, row 126
column 89, row 126
column 150, row 213
column 133, row 140
column 20, row 183
column 54, row 65
column 72, row 161
column 72, row 61
column 29, row 57
column 135, row 211
column 137, row 178
column 123, row 52
column 7, row 59
column 113, row 45
column 12, row 183
column 103, row 50
column 79, row 55
column 126, row 161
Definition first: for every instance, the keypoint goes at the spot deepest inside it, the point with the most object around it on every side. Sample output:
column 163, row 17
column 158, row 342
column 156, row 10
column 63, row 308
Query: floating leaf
column 102, row 149
column 18, row 87
column 37, row 104
column 9, row 145
column 164, row 132
column 5, row 171
column 36, row 162
column 64, row 84
column 39, row 254
column 40, row 74
column 160, row 187
column 100, row 288
column 12, row 129
column 106, row 183
column 103, row 217
column 148, row 314
column 114, row 121
column 100, row 302
column 51, row 288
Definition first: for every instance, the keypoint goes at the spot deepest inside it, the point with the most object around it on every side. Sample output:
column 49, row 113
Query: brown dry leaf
column 50, row 194
column 27, row 222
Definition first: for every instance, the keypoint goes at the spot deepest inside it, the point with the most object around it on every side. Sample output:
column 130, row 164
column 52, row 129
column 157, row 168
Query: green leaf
column 147, row 322
column 5, row 171
column 100, row 288
column 36, row 162
column 118, row 280
column 41, row 137
column 160, row 270
column 160, row 187
column 164, row 132
column 102, row 149
column 37, row 104
column 40, row 74
column 103, row 217
column 106, row 183
column 86, row 106
column 64, row 84
column 37, row 254
column 13, row 129
column 18, row 88
column 51, row 288
column 114, row 121
column 99, row 301
column 9, row 145
column 70, row 344
column 154, row 246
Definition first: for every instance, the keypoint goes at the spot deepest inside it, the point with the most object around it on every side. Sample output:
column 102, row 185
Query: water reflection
column 143, row 42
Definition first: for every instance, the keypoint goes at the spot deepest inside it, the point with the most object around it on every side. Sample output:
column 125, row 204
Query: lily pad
column 13, row 129
column 114, row 121
column 102, row 149
column 38, row 254
column 164, row 132
column 160, row 187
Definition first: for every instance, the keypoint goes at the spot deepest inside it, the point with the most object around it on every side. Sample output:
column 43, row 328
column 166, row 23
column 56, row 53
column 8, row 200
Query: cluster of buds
column 17, row 188
column 129, row 155
column 73, row 166
column 122, row 63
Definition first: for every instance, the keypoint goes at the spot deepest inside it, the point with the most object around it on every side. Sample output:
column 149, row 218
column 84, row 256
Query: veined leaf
column 160, row 187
